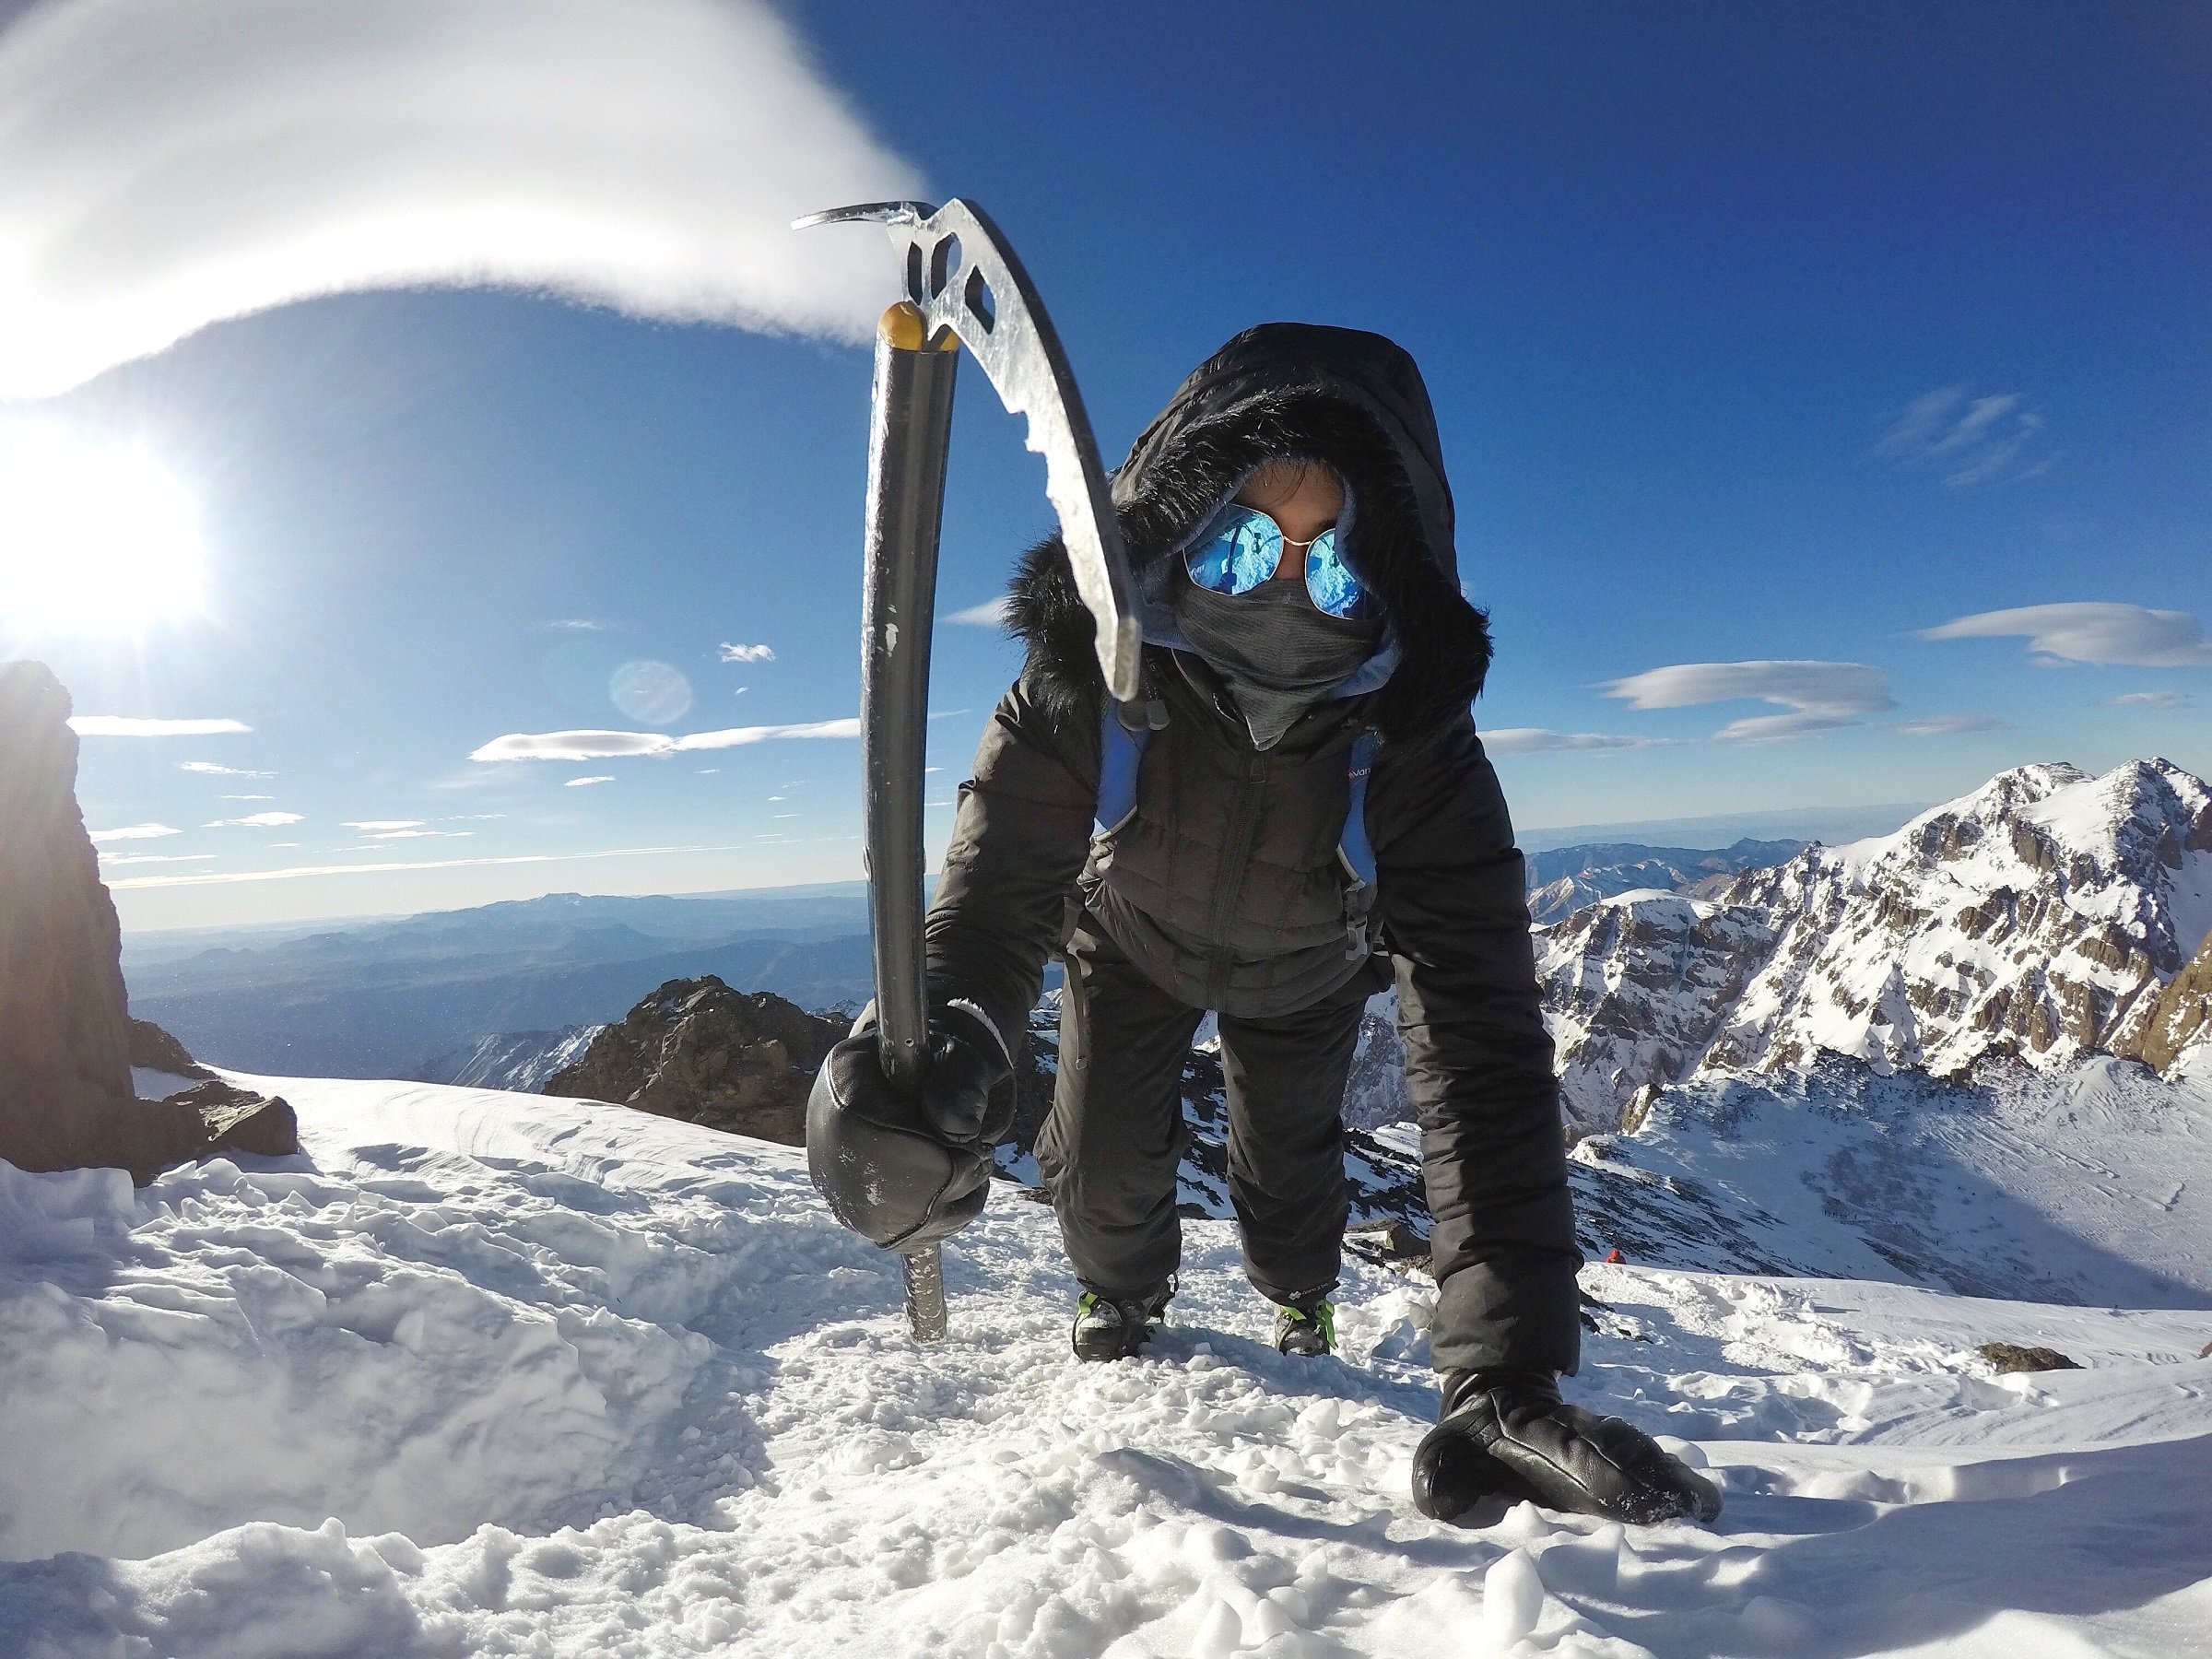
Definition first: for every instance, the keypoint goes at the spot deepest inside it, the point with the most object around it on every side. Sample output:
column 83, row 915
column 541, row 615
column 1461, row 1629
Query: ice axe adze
column 963, row 286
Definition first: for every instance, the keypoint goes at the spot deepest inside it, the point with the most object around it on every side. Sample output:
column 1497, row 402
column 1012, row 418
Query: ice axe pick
column 964, row 287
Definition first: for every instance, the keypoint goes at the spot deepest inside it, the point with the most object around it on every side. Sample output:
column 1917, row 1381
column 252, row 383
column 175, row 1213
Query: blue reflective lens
column 1334, row 587
column 1240, row 558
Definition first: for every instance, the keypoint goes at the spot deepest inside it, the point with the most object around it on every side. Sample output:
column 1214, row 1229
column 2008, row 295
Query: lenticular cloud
column 165, row 164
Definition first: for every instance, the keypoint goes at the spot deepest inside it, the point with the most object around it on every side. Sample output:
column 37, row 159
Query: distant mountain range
column 481, row 997
column 1571, row 878
column 432, row 996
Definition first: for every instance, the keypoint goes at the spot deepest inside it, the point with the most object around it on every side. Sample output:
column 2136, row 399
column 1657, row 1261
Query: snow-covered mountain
column 489, row 1373
column 2038, row 920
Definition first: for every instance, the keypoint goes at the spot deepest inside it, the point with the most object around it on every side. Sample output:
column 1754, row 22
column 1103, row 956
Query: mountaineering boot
column 1115, row 1327
column 1307, row 1330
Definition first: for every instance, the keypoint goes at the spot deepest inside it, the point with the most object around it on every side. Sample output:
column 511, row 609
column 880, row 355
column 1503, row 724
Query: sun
column 96, row 536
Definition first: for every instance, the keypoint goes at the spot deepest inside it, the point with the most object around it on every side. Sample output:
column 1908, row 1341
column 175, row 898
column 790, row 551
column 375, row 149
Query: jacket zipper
column 1236, row 850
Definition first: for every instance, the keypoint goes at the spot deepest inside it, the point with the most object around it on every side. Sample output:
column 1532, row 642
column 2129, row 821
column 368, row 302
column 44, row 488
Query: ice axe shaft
column 909, row 435
column 964, row 287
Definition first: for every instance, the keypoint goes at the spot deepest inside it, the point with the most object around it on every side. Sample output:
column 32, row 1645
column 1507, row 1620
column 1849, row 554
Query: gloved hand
column 905, row 1168
column 1509, row 1434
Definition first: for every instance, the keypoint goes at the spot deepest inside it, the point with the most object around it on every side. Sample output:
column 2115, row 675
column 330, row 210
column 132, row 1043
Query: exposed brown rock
column 156, row 1049
column 2008, row 1357
column 66, row 1100
column 238, row 1119
column 697, row 1050
column 2180, row 1017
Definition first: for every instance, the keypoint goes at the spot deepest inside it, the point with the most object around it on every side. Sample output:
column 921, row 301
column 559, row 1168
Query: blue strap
column 1120, row 751
column 1353, row 847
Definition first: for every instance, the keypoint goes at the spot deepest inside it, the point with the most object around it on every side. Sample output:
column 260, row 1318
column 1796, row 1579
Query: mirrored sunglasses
column 1247, row 546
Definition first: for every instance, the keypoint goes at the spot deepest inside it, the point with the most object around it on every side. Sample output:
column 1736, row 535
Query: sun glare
column 95, row 537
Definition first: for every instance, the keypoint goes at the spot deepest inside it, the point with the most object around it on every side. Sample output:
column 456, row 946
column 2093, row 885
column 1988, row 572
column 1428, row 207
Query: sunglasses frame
column 1234, row 517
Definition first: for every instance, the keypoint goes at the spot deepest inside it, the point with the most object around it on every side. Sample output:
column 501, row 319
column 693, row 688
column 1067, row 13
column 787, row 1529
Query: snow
column 2091, row 1187
column 485, row 1373
column 150, row 1085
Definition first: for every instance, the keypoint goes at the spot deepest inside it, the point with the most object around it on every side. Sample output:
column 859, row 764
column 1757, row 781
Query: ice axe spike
column 963, row 286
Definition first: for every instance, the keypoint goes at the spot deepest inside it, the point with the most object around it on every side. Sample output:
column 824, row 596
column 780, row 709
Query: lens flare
column 653, row 692
column 95, row 537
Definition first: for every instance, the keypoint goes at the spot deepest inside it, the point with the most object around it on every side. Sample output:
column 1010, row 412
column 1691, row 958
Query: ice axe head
column 961, row 275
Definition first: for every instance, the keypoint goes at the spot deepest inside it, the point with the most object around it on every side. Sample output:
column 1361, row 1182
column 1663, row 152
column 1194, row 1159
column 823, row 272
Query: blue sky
column 1758, row 333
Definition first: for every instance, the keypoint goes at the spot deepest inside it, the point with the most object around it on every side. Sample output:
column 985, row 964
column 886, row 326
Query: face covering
column 1277, row 652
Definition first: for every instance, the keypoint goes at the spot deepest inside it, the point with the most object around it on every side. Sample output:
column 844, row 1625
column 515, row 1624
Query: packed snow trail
column 577, row 1381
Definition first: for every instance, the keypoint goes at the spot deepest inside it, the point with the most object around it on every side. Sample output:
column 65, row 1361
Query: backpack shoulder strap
column 1356, row 853
column 1353, row 847
column 1125, row 731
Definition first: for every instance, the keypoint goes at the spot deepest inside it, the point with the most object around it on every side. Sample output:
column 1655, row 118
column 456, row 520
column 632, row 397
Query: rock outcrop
column 153, row 1049
column 64, row 1036
column 65, row 1032
column 2178, row 1023
column 697, row 1050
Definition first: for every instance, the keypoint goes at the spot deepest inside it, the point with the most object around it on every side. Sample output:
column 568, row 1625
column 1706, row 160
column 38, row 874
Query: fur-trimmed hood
column 1353, row 399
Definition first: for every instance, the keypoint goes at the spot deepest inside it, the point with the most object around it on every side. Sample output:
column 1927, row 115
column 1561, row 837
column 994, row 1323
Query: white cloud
column 1946, row 725
column 134, row 832
column 128, row 725
column 169, row 163
column 1820, row 697
column 143, row 858
column 604, row 745
column 247, row 797
column 259, row 821
column 578, row 625
column 2151, row 699
column 2110, row 635
column 1971, row 440
column 1536, row 740
column 1781, row 728
column 580, row 782
column 1810, row 687
column 747, row 653
column 385, row 823
column 213, row 770
column 414, row 834
column 991, row 612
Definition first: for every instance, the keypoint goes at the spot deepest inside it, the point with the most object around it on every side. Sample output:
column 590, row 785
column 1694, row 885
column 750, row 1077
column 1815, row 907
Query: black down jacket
column 1195, row 900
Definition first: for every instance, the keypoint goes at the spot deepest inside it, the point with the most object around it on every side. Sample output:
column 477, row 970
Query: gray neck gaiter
column 1278, row 654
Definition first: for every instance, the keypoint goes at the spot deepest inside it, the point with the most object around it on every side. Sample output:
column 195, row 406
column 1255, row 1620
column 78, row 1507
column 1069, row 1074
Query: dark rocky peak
column 696, row 1050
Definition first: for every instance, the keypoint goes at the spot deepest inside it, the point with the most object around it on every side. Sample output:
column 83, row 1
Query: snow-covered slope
column 2089, row 1186
column 491, row 1374
column 2036, row 919
column 520, row 1061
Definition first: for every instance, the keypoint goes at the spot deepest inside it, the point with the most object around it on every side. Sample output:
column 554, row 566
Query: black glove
column 1509, row 1434
column 907, row 1168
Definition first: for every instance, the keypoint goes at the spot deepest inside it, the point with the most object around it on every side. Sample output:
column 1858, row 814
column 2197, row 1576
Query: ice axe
column 964, row 287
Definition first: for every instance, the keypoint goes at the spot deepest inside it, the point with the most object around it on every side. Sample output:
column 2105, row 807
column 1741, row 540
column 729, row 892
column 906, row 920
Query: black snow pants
column 1108, row 1150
